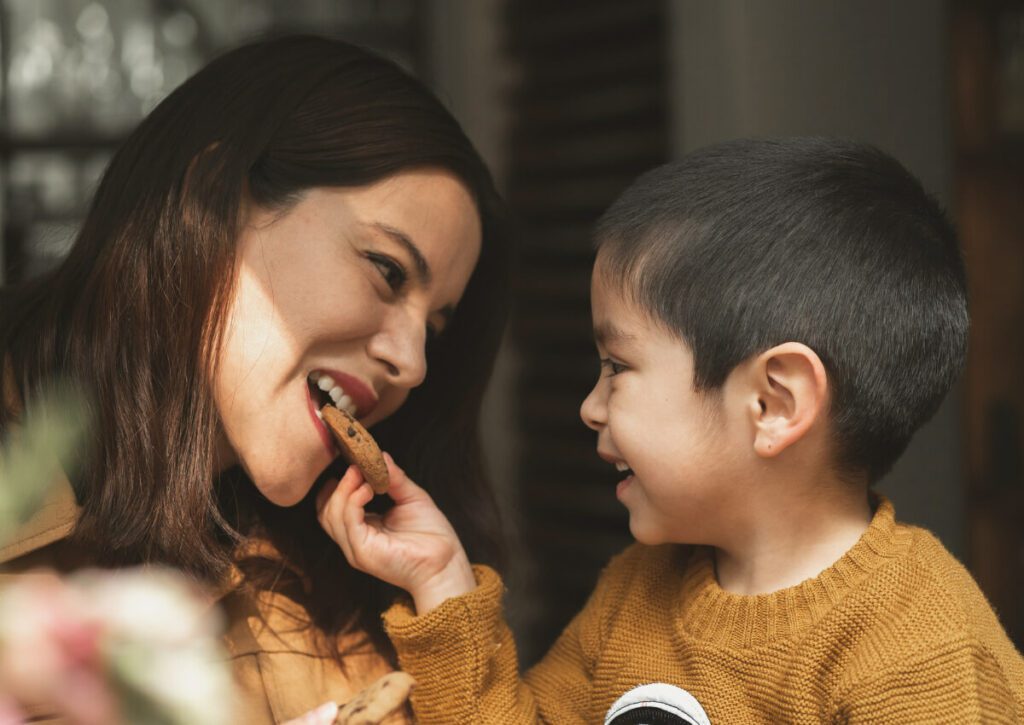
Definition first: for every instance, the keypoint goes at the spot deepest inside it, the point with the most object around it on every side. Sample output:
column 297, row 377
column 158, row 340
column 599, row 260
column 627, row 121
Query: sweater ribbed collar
column 707, row 612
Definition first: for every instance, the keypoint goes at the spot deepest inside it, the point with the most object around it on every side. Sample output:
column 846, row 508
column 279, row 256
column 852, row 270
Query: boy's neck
column 793, row 537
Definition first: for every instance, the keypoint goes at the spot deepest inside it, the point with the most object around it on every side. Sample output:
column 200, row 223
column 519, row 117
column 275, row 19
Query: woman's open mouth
column 315, row 401
column 324, row 390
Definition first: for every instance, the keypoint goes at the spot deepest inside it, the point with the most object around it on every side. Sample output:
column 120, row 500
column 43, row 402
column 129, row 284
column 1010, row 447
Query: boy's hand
column 411, row 546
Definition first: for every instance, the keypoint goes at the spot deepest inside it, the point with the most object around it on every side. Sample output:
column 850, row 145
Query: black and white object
column 656, row 704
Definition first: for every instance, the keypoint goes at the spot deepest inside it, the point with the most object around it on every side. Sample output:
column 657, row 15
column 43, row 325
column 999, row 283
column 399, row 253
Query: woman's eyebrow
column 422, row 268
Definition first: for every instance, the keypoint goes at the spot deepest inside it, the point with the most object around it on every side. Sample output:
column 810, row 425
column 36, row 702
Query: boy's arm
column 960, row 681
column 412, row 545
column 453, row 639
column 463, row 658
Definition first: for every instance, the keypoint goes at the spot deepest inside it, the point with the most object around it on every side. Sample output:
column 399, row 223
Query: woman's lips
column 362, row 396
column 321, row 429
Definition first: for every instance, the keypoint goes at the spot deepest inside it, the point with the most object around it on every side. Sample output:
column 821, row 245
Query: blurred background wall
column 872, row 70
column 569, row 101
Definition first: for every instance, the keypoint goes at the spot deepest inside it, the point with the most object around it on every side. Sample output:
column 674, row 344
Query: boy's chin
column 645, row 534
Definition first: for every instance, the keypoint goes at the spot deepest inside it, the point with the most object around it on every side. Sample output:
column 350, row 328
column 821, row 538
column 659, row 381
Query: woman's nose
column 400, row 345
column 593, row 410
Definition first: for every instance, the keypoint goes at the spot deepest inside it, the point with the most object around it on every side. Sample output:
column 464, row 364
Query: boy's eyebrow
column 607, row 332
column 422, row 268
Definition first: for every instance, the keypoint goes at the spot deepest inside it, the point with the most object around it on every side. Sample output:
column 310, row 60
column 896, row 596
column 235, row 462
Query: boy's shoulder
column 923, row 602
column 916, row 598
column 925, row 580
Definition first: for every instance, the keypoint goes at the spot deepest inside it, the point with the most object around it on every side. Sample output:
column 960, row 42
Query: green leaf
column 46, row 445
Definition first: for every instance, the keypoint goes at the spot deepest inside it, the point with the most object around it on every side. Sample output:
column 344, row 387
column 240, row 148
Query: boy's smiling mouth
column 620, row 465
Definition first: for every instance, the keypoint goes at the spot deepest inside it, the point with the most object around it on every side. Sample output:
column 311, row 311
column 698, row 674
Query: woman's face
column 341, row 292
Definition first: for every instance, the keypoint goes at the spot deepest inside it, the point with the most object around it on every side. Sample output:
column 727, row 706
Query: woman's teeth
column 337, row 394
column 621, row 467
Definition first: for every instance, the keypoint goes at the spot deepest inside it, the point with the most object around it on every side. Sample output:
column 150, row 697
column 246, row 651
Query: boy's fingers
column 351, row 480
column 402, row 488
column 331, row 501
column 324, row 494
column 353, row 522
column 353, row 515
column 392, row 466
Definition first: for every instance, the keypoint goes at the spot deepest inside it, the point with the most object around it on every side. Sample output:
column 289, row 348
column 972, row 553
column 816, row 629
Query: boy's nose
column 592, row 411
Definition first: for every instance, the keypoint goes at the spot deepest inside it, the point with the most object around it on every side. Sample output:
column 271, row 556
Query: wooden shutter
column 589, row 112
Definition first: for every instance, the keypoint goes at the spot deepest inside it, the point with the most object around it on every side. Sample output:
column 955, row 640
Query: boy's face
column 682, row 449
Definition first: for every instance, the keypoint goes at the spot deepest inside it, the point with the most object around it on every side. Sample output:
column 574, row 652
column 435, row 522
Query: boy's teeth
column 621, row 467
column 319, row 414
column 325, row 383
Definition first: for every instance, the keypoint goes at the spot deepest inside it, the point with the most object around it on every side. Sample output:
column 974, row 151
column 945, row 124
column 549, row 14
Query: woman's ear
column 792, row 393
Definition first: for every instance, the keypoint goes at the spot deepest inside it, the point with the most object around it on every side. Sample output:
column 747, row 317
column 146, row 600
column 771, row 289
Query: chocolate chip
column 351, row 432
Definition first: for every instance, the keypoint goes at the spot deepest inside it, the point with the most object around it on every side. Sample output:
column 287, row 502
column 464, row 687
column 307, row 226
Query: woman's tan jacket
column 279, row 671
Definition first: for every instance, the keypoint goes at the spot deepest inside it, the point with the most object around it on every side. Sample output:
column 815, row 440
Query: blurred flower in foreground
column 133, row 646
column 100, row 647
column 161, row 646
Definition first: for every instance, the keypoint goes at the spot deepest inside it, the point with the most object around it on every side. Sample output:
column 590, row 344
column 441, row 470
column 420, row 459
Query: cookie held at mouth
column 357, row 447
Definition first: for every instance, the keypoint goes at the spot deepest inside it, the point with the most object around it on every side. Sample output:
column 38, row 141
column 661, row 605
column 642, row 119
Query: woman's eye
column 613, row 367
column 392, row 272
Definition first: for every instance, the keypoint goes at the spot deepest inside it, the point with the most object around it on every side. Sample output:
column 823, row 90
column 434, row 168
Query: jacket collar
column 53, row 521
column 60, row 510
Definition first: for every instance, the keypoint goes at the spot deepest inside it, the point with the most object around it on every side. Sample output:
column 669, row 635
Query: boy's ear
column 792, row 393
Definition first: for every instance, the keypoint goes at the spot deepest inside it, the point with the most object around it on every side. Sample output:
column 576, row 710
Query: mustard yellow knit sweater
column 894, row 632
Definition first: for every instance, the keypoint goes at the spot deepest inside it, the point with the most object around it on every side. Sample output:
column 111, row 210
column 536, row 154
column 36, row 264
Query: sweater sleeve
column 463, row 658
column 958, row 682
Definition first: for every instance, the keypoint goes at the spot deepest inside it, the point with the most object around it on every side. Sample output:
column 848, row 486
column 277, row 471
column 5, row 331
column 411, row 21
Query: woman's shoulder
column 279, row 659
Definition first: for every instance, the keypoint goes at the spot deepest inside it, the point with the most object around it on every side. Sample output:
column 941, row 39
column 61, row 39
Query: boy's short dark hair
column 748, row 244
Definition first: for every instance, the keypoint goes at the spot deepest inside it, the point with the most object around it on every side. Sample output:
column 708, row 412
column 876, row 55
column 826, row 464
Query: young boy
column 774, row 319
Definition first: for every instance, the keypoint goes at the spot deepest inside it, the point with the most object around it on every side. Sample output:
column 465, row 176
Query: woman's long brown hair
column 135, row 312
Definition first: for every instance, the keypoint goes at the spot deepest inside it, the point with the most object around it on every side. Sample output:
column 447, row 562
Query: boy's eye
column 613, row 367
column 393, row 273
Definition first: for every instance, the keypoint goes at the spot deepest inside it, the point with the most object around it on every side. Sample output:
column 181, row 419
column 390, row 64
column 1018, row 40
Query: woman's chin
column 284, row 493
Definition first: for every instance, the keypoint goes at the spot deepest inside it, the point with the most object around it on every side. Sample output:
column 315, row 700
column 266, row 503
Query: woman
column 299, row 214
